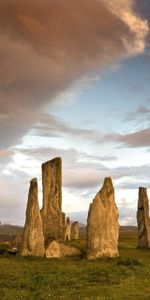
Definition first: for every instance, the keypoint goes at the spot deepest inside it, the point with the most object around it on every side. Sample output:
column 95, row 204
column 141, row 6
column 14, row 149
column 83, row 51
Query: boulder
column 56, row 249
column 33, row 238
column 69, row 250
column 143, row 219
column 102, row 224
column 53, row 250
column 52, row 216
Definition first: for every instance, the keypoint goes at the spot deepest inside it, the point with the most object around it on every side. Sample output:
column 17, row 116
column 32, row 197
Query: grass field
column 127, row 277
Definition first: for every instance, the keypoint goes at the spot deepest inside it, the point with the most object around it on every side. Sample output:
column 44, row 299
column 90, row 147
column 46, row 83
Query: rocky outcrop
column 53, row 250
column 52, row 216
column 67, row 229
column 143, row 219
column 102, row 224
column 75, row 230
column 33, row 238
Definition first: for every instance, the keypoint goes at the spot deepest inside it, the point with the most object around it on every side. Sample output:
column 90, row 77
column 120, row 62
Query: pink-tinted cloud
column 136, row 139
column 46, row 45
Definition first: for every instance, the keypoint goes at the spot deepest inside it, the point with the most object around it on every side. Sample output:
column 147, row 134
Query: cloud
column 46, row 45
column 127, row 214
column 138, row 139
column 52, row 126
column 141, row 114
column 83, row 171
column 69, row 156
column 6, row 156
column 14, row 192
column 85, row 176
column 124, row 9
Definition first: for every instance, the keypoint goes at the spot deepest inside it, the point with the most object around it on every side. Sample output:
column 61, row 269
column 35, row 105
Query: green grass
column 125, row 278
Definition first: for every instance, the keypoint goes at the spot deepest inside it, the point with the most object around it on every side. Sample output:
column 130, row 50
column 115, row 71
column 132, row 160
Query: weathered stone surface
column 102, row 224
column 52, row 216
column 68, row 250
column 75, row 230
column 143, row 219
column 33, row 238
column 56, row 249
column 53, row 250
column 67, row 230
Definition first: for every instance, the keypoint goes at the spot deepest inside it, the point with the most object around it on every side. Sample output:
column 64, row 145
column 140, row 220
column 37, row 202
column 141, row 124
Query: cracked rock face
column 143, row 219
column 52, row 216
column 33, row 238
column 102, row 224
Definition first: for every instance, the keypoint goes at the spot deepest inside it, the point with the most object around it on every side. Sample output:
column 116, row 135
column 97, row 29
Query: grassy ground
column 125, row 278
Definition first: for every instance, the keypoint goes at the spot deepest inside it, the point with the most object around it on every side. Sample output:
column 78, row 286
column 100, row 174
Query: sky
column 74, row 83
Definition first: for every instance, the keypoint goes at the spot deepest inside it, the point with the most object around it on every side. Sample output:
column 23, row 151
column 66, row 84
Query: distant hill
column 7, row 232
column 128, row 228
column 10, row 229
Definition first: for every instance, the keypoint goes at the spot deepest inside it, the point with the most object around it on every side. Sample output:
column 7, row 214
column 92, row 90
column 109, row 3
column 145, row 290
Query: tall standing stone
column 52, row 216
column 67, row 230
column 143, row 219
column 102, row 224
column 33, row 238
column 75, row 230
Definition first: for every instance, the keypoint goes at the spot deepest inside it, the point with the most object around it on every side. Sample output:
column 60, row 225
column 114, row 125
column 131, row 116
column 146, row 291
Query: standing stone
column 67, row 229
column 102, row 224
column 75, row 230
column 52, row 216
column 143, row 219
column 33, row 238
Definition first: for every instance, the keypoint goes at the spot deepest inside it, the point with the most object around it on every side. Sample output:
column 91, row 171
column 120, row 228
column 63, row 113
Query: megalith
column 67, row 229
column 102, row 223
column 143, row 219
column 75, row 230
column 52, row 216
column 33, row 238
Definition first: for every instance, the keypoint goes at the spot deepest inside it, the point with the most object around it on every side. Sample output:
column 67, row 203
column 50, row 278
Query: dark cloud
column 46, row 45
